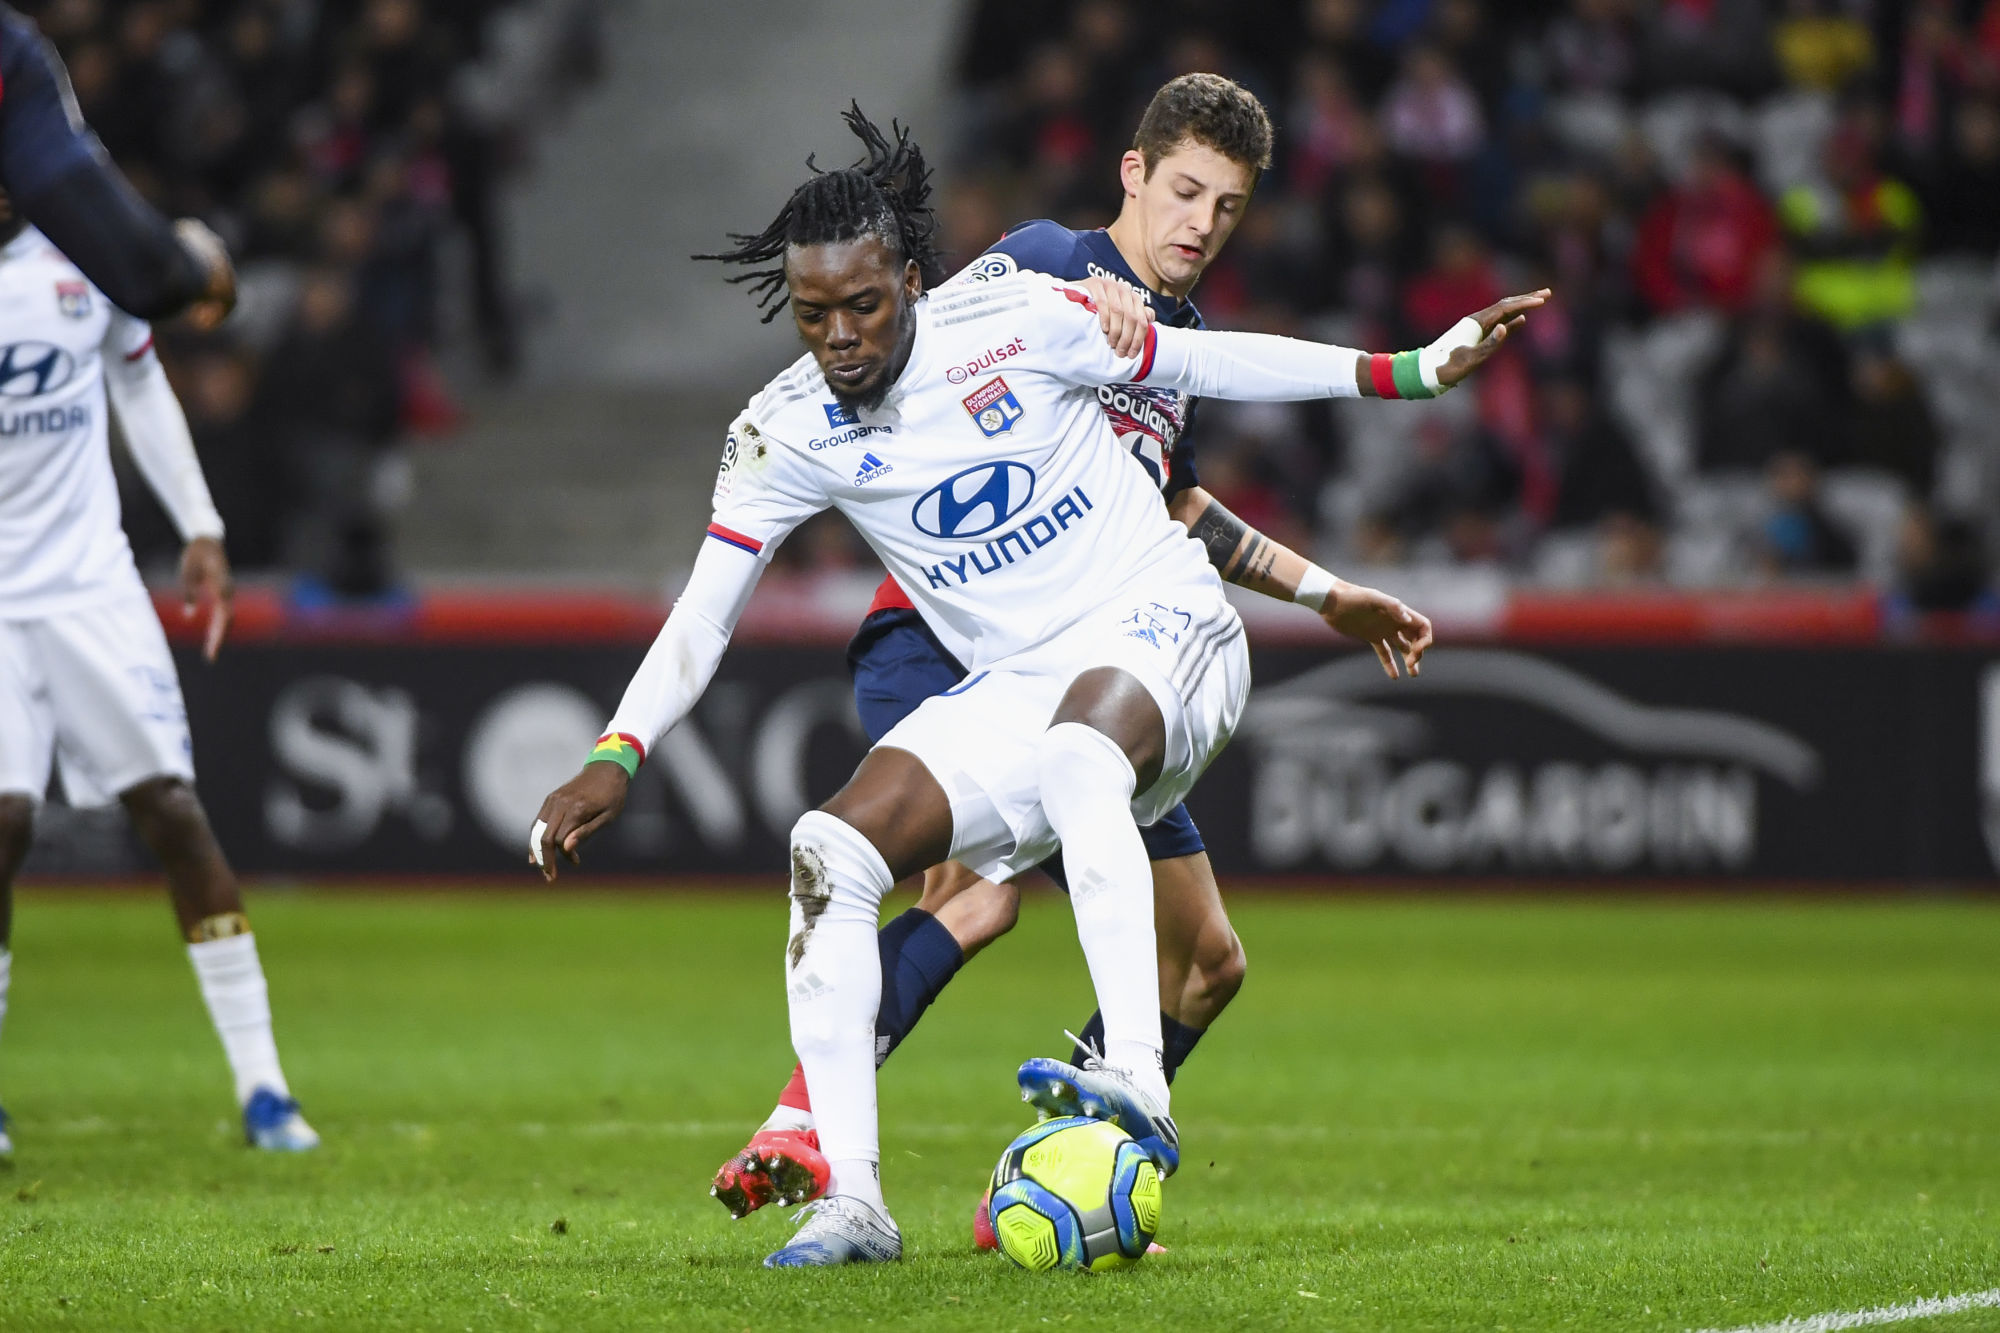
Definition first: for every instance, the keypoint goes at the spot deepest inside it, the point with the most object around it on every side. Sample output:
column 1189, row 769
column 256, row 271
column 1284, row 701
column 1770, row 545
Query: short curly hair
column 1209, row 110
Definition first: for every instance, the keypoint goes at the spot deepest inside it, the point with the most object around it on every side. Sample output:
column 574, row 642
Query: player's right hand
column 205, row 578
column 573, row 812
column 218, row 298
column 1122, row 313
column 1399, row 634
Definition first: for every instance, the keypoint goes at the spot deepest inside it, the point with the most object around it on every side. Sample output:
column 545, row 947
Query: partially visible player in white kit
column 961, row 434
column 86, row 682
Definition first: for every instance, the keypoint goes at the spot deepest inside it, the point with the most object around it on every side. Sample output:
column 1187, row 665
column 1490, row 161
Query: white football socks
column 789, row 1118
column 232, row 985
column 833, row 980
column 1086, row 785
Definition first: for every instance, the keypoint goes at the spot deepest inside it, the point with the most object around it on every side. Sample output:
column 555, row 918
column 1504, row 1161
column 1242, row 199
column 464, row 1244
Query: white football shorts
column 979, row 739
column 95, row 690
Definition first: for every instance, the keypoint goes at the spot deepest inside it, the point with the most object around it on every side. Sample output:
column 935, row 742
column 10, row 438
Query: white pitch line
column 1884, row 1314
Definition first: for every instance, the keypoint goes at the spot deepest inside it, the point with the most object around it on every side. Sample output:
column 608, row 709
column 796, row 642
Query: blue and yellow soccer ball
column 1075, row 1193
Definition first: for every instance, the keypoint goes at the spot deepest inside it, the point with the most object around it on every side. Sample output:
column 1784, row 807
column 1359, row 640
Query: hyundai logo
column 28, row 370
column 976, row 501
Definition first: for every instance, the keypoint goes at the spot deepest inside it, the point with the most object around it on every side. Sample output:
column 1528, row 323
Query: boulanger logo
column 976, row 501
column 31, row 369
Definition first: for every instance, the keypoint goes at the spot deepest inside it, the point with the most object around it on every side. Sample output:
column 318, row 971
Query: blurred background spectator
column 348, row 151
column 1772, row 227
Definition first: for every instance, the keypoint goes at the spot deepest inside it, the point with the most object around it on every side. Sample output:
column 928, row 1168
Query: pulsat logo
column 975, row 501
column 986, row 360
column 30, row 369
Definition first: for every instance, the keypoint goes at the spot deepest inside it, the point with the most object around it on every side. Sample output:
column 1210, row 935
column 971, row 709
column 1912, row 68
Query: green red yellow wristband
column 618, row 748
column 1398, row 375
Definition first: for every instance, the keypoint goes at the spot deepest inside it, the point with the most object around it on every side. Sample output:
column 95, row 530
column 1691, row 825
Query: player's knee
column 943, row 884
column 1219, row 965
column 1000, row 908
column 17, row 827
column 1074, row 760
column 165, row 807
column 835, row 870
column 979, row 914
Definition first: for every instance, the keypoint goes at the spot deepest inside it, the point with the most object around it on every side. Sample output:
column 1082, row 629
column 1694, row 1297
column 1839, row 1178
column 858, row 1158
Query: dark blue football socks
column 919, row 957
column 1178, row 1037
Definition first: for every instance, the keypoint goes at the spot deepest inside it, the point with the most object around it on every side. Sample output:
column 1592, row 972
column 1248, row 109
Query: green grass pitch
column 1421, row 1114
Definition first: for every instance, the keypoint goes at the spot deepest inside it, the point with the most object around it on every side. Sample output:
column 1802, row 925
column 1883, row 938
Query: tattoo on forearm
column 1253, row 565
column 1221, row 532
column 1239, row 553
column 1253, row 561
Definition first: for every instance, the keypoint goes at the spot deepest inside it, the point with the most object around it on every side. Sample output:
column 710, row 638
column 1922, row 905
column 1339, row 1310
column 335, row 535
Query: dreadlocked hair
column 886, row 193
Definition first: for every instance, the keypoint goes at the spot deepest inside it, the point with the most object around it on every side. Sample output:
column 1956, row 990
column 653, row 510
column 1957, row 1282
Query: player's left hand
column 219, row 296
column 1398, row 634
column 1122, row 313
column 205, row 577
column 1495, row 323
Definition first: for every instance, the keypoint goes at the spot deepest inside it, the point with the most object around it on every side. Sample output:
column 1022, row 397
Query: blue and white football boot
column 273, row 1123
column 1102, row 1092
column 841, row 1229
column 6, row 1139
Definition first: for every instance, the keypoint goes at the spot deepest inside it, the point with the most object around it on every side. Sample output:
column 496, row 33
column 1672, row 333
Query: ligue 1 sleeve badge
column 993, row 407
column 73, row 299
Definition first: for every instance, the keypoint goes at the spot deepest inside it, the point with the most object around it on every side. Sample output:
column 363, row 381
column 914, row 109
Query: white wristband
column 1465, row 333
column 1315, row 586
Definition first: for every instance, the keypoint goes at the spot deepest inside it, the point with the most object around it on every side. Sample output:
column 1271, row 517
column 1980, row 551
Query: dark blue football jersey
column 58, row 177
column 42, row 137
column 1151, row 421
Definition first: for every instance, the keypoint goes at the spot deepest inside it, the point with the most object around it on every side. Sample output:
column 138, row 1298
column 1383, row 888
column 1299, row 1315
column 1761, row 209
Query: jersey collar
column 1104, row 251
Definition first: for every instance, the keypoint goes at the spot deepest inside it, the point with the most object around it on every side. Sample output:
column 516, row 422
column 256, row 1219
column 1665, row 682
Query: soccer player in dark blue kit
column 1194, row 162
column 59, row 178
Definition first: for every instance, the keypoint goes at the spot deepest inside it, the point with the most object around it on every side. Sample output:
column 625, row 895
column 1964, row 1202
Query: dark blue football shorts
column 897, row 663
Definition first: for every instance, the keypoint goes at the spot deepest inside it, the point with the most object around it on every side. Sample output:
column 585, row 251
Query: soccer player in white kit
column 962, row 436
column 86, row 682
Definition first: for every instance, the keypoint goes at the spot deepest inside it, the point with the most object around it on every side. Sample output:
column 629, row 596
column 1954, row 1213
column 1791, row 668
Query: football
column 1075, row 1193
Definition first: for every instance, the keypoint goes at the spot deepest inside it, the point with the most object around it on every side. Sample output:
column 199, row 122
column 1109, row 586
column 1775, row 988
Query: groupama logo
column 976, row 501
column 31, row 369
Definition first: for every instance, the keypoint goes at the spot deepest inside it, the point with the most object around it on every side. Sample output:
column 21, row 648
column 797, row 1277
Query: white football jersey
column 989, row 481
column 61, row 542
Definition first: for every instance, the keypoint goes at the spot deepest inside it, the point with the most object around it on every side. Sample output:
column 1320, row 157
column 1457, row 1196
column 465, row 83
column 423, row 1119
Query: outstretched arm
column 59, row 178
column 1258, row 367
column 1249, row 559
column 677, row 669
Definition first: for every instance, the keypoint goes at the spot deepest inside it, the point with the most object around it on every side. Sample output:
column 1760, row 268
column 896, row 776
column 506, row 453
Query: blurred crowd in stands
column 1772, row 228
column 349, row 152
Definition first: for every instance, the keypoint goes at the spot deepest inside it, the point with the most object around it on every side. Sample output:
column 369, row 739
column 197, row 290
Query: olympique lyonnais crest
column 73, row 299
column 993, row 407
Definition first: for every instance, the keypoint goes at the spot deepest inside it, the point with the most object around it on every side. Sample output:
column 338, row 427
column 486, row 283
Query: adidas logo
column 871, row 468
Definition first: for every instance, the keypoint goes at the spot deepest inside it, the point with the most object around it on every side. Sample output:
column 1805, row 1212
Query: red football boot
column 781, row 1166
column 982, row 1223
